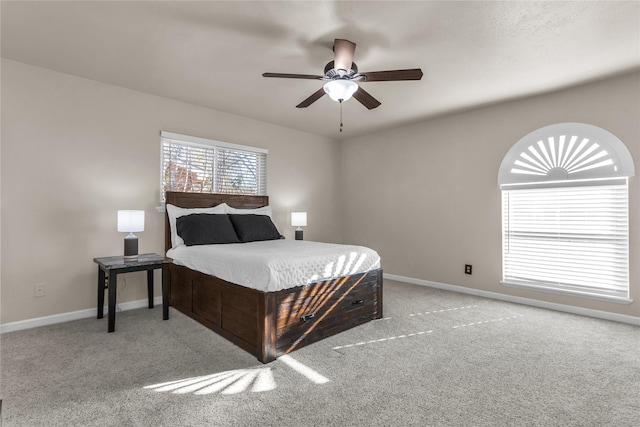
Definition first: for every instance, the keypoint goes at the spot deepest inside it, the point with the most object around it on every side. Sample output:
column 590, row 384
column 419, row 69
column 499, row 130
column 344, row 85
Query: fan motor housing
column 332, row 73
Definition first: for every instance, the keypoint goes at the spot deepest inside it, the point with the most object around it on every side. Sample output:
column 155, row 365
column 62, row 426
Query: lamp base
column 131, row 247
column 299, row 234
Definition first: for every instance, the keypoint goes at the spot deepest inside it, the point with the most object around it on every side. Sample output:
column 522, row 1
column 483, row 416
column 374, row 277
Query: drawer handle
column 307, row 317
column 358, row 302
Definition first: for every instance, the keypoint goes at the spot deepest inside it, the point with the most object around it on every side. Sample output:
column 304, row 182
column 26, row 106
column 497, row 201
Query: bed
column 268, row 323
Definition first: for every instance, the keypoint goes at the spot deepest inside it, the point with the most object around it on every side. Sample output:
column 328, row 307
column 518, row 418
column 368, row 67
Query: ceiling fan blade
column 313, row 98
column 392, row 75
column 292, row 76
column 366, row 99
column 343, row 54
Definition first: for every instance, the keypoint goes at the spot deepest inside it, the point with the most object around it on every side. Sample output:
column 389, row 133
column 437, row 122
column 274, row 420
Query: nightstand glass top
column 119, row 262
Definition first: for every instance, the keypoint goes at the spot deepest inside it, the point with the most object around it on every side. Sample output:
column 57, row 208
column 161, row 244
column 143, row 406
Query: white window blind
column 567, row 238
column 199, row 165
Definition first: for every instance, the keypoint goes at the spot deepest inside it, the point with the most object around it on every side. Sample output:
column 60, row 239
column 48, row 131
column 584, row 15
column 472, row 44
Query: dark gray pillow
column 206, row 229
column 254, row 228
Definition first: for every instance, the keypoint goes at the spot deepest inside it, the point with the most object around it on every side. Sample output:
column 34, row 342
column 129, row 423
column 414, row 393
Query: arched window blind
column 565, row 212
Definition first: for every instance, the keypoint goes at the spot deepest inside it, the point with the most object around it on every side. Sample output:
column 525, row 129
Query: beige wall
column 74, row 151
column 425, row 196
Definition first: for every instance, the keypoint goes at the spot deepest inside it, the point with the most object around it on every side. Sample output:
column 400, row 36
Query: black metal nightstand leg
column 165, row 292
column 150, row 287
column 113, row 280
column 101, row 277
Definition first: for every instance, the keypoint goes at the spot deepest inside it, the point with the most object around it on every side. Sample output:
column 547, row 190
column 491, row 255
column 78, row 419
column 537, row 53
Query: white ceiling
column 212, row 53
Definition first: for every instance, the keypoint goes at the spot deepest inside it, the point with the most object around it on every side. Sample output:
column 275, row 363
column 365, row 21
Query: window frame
column 535, row 231
column 216, row 147
column 522, row 169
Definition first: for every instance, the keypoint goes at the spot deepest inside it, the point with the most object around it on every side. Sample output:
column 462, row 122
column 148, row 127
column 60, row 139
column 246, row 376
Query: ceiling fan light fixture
column 340, row 90
column 341, row 76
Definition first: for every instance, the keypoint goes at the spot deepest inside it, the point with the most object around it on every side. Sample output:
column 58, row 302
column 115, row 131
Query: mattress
column 274, row 265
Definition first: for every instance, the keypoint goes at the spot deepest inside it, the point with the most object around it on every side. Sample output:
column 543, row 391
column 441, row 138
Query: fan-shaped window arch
column 566, row 151
column 565, row 212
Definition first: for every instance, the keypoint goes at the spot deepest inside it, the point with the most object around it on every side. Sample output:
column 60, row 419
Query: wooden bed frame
column 269, row 324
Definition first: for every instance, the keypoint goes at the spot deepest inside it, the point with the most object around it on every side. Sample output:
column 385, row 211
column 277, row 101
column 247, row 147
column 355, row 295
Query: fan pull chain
column 341, row 115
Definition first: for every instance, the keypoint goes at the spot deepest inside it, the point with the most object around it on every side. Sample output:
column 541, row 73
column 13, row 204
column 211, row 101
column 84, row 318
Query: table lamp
column 130, row 222
column 299, row 219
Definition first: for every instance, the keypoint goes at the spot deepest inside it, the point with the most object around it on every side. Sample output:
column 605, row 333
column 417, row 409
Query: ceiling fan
column 341, row 76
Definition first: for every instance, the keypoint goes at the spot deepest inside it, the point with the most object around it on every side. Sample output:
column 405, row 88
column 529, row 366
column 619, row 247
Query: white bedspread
column 276, row 264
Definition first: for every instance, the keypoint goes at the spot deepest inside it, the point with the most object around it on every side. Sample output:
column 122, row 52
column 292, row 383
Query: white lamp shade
column 340, row 90
column 130, row 221
column 299, row 219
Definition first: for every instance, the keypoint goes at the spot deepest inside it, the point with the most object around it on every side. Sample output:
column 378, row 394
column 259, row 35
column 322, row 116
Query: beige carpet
column 437, row 359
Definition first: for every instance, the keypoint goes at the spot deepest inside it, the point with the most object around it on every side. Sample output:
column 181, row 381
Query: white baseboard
column 519, row 300
column 131, row 305
column 74, row 315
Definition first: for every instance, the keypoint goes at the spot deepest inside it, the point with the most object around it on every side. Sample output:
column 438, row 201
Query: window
column 565, row 212
column 198, row 165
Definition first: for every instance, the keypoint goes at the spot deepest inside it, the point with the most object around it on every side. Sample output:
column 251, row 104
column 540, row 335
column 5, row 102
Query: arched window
column 565, row 212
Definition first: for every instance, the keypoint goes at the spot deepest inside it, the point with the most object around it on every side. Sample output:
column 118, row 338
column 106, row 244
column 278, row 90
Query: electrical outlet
column 39, row 290
column 467, row 269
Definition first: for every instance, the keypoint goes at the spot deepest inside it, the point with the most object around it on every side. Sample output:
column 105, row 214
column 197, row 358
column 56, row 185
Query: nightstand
column 110, row 267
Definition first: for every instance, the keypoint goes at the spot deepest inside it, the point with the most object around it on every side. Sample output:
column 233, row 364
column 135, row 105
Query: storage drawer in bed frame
column 305, row 316
column 269, row 324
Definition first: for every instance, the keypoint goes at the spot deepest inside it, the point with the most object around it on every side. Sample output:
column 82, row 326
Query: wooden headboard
column 207, row 200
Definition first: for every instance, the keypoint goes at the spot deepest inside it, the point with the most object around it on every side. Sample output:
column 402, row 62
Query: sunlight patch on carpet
column 303, row 369
column 379, row 340
column 228, row 382
column 443, row 310
column 501, row 319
